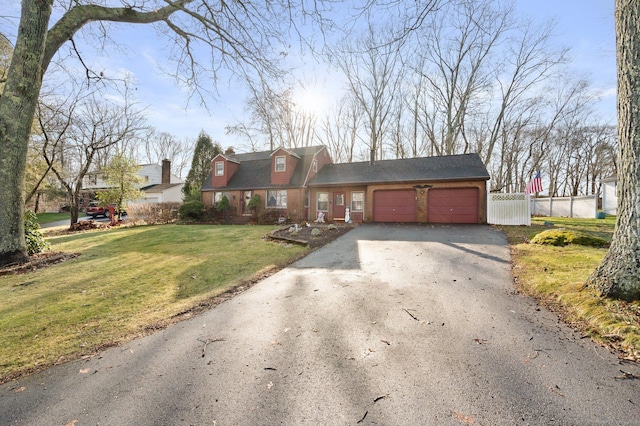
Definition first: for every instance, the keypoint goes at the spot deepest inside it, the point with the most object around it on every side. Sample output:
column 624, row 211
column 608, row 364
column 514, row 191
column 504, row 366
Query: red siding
column 282, row 178
column 229, row 169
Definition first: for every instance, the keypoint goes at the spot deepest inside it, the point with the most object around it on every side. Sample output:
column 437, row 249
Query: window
column 323, row 201
column 219, row 168
column 218, row 196
column 306, row 199
column 339, row 199
column 281, row 163
column 277, row 199
column 315, row 166
column 357, row 201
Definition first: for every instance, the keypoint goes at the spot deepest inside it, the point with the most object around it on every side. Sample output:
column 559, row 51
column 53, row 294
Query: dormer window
column 219, row 168
column 281, row 163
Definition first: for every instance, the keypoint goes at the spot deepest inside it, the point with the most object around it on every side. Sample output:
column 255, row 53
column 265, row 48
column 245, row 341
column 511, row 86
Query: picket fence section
column 583, row 207
column 509, row 209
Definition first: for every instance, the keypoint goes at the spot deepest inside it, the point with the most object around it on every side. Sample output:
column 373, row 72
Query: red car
column 95, row 209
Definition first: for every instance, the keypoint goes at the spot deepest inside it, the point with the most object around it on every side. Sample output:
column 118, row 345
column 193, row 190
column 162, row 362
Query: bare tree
column 619, row 273
column 340, row 127
column 373, row 71
column 76, row 130
column 459, row 49
column 158, row 146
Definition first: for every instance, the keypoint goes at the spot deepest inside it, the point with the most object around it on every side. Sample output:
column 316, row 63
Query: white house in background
column 159, row 184
column 609, row 195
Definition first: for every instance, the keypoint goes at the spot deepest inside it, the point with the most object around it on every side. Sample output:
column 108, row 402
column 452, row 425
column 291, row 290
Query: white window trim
column 318, row 201
column 351, row 204
column 284, row 163
column 277, row 197
column 221, row 172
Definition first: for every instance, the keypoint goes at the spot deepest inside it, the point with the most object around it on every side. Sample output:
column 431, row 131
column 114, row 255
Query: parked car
column 94, row 209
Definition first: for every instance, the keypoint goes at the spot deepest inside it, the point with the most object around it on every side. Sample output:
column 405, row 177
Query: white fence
column 516, row 209
column 509, row 209
column 585, row 207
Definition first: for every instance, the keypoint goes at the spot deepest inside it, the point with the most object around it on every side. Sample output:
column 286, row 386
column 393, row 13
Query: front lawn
column 125, row 281
column 556, row 276
column 43, row 218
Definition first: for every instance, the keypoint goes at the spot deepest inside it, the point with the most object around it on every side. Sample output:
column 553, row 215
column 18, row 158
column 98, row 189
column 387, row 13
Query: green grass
column 556, row 276
column 125, row 281
column 43, row 218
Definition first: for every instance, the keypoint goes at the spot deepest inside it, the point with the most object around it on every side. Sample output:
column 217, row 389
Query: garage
column 395, row 206
column 452, row 205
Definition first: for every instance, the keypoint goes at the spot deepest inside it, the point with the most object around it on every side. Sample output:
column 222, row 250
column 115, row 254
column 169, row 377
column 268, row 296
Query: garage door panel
column 395, row 206
column 453, row 205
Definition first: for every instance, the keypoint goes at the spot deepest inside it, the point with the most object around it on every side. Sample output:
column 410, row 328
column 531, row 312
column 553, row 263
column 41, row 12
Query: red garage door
column 452, row 205
column 395, row 206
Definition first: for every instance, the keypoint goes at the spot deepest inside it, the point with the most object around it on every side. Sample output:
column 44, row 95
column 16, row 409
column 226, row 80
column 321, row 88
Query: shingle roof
column 254, row 171
column 444, row 168
column 160, row 187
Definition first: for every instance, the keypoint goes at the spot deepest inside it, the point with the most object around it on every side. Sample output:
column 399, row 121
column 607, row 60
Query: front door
column 338, row 205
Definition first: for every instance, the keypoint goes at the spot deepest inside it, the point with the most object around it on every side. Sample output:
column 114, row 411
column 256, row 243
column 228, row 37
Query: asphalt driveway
column 388, row 325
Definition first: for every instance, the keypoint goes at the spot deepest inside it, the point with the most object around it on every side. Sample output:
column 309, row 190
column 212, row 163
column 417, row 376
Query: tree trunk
column 17, row 109
column 619, row 273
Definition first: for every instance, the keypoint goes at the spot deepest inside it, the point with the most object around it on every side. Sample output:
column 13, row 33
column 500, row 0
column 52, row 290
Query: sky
column 584, row 26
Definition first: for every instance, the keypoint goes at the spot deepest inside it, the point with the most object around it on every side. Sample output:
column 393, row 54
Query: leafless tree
column 158, row 146
column 373, row 71
column 74, row 131
column 341, row 127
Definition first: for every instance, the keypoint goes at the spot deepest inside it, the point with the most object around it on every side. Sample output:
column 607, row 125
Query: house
column 279, row 178
column 301, row 183
column 609, row 195
column 159, row 184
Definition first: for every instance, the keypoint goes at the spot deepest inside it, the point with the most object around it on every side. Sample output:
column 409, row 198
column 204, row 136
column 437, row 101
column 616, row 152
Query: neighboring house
column 299, row 183
column 609, row 195
column 159, row 185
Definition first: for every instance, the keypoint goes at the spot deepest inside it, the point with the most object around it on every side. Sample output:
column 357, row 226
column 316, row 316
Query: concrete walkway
column 388, row 325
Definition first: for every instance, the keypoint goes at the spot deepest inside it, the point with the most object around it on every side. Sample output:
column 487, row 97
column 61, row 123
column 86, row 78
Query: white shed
column 609, row 195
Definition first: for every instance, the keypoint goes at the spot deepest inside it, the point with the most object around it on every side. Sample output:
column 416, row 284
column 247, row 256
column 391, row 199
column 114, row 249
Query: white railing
column 584, row 207
column 509, row 209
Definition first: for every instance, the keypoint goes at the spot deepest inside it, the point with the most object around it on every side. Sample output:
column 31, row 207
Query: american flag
column 535, row 185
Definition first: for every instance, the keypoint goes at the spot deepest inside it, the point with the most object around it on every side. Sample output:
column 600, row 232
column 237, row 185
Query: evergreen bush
column 32, row 234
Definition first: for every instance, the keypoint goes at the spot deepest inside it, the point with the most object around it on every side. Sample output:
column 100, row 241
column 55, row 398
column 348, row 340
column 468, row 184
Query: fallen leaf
column 468, row 420
column 72, row 423
column 84, row 371
column 269, row 385
column 20, row 389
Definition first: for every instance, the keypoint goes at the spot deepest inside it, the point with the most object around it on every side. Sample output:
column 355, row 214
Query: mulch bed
column 303, row 234
column 37, row 261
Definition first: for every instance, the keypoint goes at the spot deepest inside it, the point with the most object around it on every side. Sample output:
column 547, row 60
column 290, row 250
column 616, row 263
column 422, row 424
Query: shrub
column 268, row 217
column 153, row 213
column 192, row 210
column 223, row 204
column 315, row 232
column 255, row 203
column 32, row 234
column 562, row 237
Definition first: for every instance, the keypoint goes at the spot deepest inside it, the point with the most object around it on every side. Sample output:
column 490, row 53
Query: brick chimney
column 166, row 171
